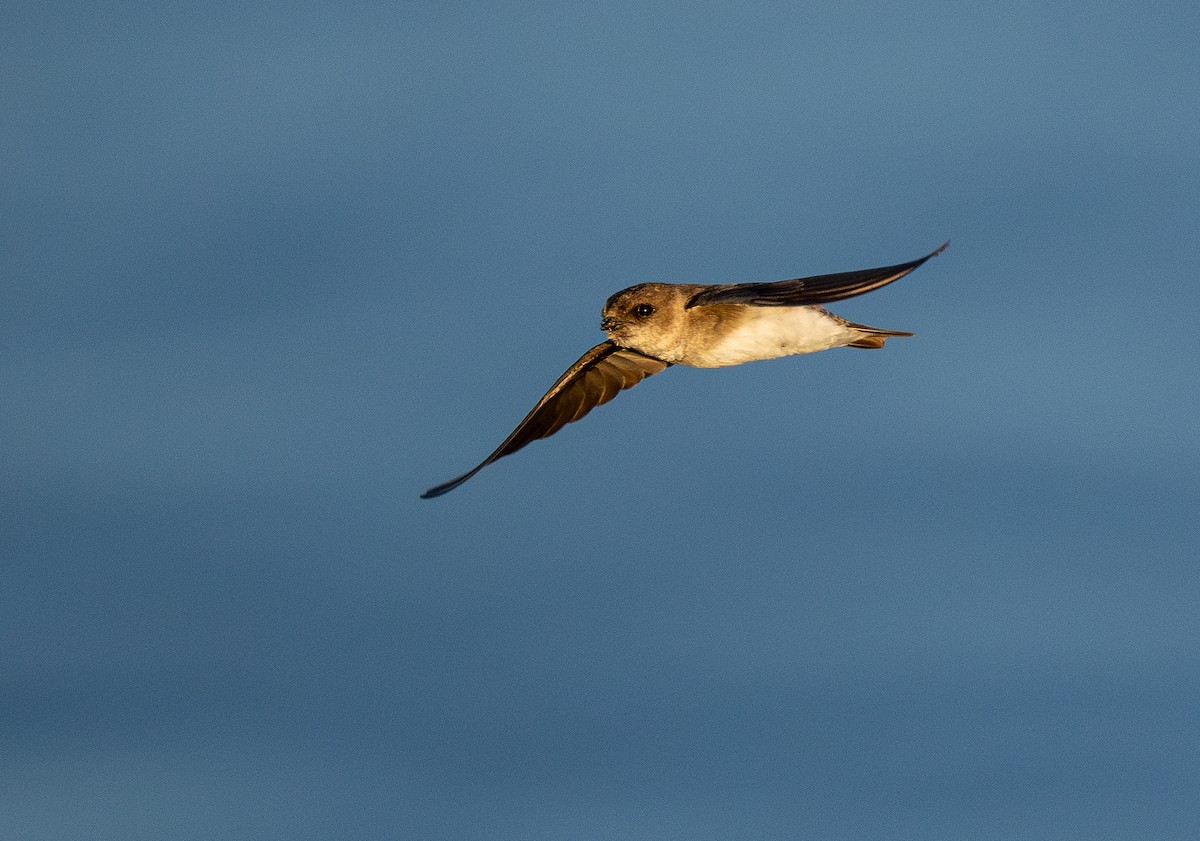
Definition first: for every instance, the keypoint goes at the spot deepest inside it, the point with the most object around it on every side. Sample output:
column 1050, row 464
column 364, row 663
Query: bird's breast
column 766, row 333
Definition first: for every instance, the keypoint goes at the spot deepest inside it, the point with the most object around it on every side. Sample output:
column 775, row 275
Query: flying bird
column 652, row 326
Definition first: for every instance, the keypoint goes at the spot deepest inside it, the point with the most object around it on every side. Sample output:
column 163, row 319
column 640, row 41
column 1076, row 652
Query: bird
column 652, row 326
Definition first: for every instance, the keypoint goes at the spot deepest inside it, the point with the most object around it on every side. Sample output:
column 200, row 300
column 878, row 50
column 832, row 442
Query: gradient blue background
column 268, row 272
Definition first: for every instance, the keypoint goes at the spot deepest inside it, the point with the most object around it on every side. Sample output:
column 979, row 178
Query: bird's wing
column 807, row 290
column 598, row 376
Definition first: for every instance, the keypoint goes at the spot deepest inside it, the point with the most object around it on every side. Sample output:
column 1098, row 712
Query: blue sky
column 269, row 272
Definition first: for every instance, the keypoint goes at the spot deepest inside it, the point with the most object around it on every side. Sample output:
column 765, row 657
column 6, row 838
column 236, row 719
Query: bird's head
column 648, row 318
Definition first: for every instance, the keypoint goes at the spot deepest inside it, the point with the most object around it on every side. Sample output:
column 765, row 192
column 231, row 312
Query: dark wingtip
column 922, row 260
column 915, row 264
column 446, row 487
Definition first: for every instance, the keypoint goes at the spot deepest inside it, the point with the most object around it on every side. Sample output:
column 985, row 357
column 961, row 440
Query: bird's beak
column 608, row 324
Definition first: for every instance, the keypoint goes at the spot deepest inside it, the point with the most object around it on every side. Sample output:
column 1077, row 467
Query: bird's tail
column 872, row 337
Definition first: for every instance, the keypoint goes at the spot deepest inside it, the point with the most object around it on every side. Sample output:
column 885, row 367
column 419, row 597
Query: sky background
column 268, row 271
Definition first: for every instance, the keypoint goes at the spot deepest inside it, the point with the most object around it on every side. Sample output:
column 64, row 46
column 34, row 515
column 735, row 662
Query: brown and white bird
column 652, row 326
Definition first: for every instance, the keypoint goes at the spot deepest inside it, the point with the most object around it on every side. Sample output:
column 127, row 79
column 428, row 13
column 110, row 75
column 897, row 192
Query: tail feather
column 873, row 338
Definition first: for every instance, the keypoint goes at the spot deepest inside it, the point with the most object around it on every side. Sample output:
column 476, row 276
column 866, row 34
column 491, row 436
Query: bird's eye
column 643, row 310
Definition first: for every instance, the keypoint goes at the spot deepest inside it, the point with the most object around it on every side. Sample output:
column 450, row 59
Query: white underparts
column 770, row 332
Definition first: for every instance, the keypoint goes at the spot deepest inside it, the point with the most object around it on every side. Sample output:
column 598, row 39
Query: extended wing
column 807, row 290
column 598, row 376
